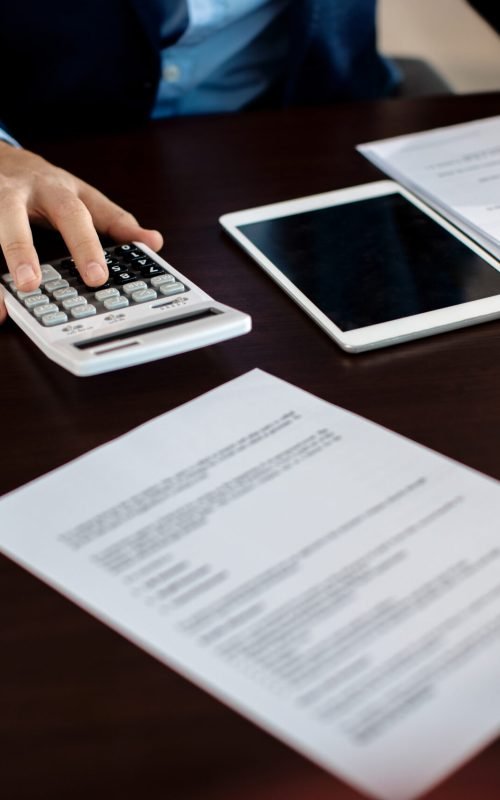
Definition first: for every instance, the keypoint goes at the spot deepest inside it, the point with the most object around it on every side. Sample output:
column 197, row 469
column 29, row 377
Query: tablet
column 371, row 264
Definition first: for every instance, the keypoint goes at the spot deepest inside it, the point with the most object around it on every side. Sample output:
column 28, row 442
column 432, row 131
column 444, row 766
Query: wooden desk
column 83, row 713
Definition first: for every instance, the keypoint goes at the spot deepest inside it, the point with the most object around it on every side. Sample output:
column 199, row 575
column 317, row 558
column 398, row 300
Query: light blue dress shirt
column 231, row 52
column 5, row 137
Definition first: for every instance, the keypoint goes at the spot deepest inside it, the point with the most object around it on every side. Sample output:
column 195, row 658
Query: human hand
column 32, row 189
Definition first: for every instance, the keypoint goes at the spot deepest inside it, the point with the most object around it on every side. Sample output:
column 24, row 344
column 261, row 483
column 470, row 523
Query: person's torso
column 220, row 55
column 99, row 64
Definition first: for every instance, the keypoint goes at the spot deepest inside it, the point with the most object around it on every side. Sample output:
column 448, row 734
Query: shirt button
column 171, row 73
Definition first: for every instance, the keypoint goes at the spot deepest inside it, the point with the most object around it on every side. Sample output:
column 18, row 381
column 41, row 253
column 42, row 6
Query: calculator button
column 113, row 303
column 112, row 263
column 86, row 310
column 144, row 261
column 52, row 286
column 152, row 271
column 172, row 288
column 132, row 255
column 8, row 278
column 49, row 274
column 115, row 268
column 24, row 295
column 64, row 293
column 143, row 295
column 104, row 294
column 40, row 311
column 72, row 302
column 123, row 249
column 161, row 279
column 130, row 288
column 55, row 318
column 124, row 277
column 95, row 289
column 36, row 300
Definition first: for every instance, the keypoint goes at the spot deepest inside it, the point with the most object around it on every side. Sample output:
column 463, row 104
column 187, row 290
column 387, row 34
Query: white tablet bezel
column 382, row 334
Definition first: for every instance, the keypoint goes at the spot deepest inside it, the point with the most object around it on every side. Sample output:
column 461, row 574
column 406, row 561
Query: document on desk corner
column 331, row 580
column 456, row 169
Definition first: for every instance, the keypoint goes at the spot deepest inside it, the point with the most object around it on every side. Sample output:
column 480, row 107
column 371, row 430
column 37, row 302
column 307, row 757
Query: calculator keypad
column 134, row 278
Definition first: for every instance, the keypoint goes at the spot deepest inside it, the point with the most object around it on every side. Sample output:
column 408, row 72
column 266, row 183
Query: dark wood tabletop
column 84, row 713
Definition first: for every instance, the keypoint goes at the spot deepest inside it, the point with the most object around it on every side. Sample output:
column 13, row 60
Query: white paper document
column 331, row 580
column 456, row 169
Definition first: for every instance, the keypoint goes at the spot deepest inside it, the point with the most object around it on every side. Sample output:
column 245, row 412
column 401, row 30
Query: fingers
column 16, row 242
column 114, row 221
column 34, row 189
column 74, row 222
column 3, row 310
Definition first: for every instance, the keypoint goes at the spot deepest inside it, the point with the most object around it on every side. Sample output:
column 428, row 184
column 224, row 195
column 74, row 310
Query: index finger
column 72, row 219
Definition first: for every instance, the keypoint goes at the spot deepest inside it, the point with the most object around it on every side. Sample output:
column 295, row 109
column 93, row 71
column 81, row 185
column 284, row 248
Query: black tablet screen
column 373, row 261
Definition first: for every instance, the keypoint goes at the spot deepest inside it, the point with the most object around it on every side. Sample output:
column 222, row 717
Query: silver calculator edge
column 176, row 325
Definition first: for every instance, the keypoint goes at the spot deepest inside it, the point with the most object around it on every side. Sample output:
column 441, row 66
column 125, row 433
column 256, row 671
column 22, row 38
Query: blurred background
column 449, row 35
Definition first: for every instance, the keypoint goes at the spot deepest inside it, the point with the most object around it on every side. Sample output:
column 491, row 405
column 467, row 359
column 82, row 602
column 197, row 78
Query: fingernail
column 95, row 273
column 24, row 274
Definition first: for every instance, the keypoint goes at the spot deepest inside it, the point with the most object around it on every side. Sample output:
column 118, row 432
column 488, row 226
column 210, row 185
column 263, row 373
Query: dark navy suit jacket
column 96, row 64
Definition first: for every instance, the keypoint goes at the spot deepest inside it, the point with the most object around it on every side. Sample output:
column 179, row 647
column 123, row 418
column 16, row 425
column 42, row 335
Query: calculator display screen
column 155, row 325
column 373, row 261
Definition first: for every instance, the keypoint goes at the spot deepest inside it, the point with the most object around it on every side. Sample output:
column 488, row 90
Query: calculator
column 147, row 310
